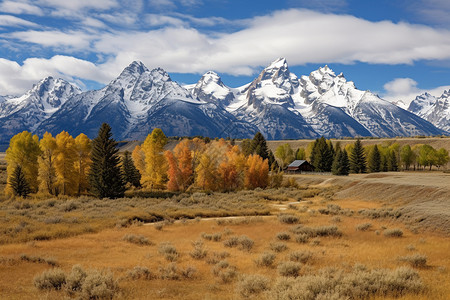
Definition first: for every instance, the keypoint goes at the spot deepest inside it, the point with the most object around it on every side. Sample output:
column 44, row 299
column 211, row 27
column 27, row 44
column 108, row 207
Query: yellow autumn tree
column 231, row 169
column 257, row 174
column 83, row 148
column 183, row 155
column 206, row 172
column 155, row 175
column 23, row 152
column 47, row 161
column 65, row 164
column 139, row 159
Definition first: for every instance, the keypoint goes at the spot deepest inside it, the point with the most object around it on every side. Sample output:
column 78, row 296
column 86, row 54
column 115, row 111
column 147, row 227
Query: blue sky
column 396, row 48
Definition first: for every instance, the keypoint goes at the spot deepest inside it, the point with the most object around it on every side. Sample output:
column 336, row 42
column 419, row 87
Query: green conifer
column 19, row 183
column 130, row 172
column 340, row 163
column 259, row 145
column 105, row 176
column 357, row 158
column 374, row 161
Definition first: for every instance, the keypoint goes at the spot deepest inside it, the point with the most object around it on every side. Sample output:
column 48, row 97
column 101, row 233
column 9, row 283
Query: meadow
column 363, row 236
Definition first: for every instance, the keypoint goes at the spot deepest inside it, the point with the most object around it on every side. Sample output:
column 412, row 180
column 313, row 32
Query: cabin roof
column 297, row 163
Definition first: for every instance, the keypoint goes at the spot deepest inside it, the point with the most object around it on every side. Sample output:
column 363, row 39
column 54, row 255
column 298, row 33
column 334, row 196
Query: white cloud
column 80, row 4
column 159, row 20
column 11, row 21
column 161, row 4
column 406, row 90
column 17, row 7
column 70, row 41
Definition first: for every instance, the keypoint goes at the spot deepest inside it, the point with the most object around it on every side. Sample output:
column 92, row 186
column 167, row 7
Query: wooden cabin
column 300, row 166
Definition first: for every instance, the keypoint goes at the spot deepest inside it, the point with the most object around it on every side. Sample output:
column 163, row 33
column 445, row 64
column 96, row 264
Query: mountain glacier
column 277, row 103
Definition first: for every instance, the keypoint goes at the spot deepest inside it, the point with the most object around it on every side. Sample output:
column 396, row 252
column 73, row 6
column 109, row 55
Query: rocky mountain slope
column 433, row 109
column 277, row 103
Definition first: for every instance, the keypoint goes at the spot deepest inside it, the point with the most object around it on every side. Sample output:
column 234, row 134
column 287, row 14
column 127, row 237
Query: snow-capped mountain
column 138, row 101
column 432, row 109
column 28, row 111
column 277, row 103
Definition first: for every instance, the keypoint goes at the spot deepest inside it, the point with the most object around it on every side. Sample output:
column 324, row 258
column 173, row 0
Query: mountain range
column 277, row 103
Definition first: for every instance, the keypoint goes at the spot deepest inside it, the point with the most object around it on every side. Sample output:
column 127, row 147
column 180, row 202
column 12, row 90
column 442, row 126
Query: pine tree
column 340, row 163
column 19, row 183
column 392, row 161
column 374, row 161
column 130, row 172
column 357, row 158
column 259, row 145
column 273, row 164
column 246, row 147
column 105, row 176
column 322, row 155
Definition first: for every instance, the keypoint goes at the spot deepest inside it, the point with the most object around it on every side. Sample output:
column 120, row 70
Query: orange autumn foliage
column 257, row 173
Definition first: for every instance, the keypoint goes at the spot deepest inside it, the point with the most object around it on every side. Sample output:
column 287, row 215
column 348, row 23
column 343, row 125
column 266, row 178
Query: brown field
column 362, row 207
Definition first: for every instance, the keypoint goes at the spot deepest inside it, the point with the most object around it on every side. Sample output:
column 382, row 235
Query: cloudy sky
column 396, row 48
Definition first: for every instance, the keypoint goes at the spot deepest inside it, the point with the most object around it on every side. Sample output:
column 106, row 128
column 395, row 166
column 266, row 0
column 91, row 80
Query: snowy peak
column 278, row 74
column 52, row 93
column 135, row 68
column 422, row 104
column 210, row 88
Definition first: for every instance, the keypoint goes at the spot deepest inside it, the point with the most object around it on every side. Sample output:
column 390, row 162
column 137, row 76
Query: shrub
column 245, row 243
column 224, row 271
column 288, row 219
column 396, row 232
column 159, row 226
column 199, row 252
column 363, row 227
column 300, row 256
column 416, row 260
column 206, row 236
column 289, row 269
column 216, row 237
column 283, row 236
column 170, row 272
column 169, row 251
column 217, row 257
column 265, row 260
column 137, row 239
column 252, row 285
column 140, row 273
column 50, row 279
column 189, row 272
column 231, row 242
column 36, row 259
column 311, row 232
column 302, row 238
column 99, row 285
column 75, row 280
column 278, row 247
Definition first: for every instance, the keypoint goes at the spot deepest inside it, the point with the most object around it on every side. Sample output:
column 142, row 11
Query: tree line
column 63, row 165
column 356, row 158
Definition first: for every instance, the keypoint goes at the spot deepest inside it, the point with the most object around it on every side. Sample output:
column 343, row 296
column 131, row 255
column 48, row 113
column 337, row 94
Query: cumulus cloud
column 80, row 4
column 302, row 36
column 406, row 90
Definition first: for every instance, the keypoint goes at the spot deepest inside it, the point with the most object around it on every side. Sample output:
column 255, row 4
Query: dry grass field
column 365, row 236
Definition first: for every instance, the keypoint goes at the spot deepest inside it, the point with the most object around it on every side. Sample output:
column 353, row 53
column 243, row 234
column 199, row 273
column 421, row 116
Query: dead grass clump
column 245, row 243
column 395, row 232
column 301, row 256
column 278, row 247
column 250, row 285
column 189, row 272
column 363, row 227
column 288, row 219
column 265, row 260
column 169, row 272
column 216, row 237
column 40, row 260
column 359, row 284
column 416, row 260
column 289, row 269
column 224, row 271
column 217, row 257
column 137, row 239
column 169, row 252
column 50, row 279
column 322, row 231
column 139, row 272
column 283, row 236
column 199, row 252
column 302, row 238
column 99, row 285
column 240, row 221
column 377, row 213
column 231, row 242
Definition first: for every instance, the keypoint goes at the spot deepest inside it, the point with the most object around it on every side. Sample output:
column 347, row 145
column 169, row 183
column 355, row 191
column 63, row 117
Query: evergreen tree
column 105, row 176
column 392, row 161
column 384, row 163
column 340, row 164
column 357, row 158
column 273, row 164
column 130, row 172
column 259, row 145
column 374, row 160
column 246, row 147
column 322, row 155
column 19, row 183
